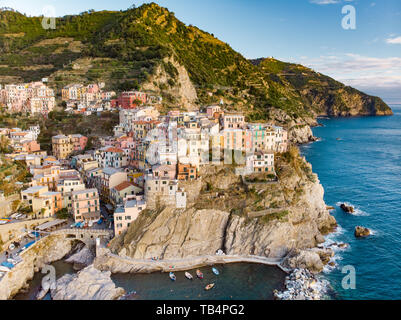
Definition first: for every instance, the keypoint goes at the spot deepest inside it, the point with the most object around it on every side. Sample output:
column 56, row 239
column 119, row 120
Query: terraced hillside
column 149, row 48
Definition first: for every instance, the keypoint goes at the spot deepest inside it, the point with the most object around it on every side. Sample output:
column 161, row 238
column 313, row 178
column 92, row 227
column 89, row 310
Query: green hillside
column 126, row 48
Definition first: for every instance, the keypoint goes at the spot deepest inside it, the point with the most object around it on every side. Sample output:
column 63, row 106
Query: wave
column 332, row 242
column 357, row 210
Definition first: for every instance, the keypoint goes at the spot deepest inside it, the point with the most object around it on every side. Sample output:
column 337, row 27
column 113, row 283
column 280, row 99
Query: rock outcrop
column 347, row 209
column 46, row 251
column 82, row 258
column 182, row 89
column 178, row 234
column 218, row 220
column 88, row 284
column 362, row 232
column 303, row 285
column 301, row 134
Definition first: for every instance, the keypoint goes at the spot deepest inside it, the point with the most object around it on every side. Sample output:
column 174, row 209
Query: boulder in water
column 362, row 232
column 88, row 284
column 347, row 209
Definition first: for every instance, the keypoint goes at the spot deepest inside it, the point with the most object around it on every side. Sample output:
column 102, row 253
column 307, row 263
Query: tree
column 4, row 144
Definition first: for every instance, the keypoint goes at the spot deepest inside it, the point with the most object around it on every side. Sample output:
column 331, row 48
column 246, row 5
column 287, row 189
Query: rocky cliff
column 88, row 284
column 221, row 217
column 46, row 251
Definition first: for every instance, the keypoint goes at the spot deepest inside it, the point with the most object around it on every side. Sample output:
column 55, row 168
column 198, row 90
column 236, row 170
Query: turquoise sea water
column 364, row 170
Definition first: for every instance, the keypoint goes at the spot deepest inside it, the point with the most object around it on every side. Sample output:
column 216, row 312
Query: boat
column 189, row 276
column 199, row 274
column 172, row 276
column 209, row 287
column 215, row 271
column 4, row 269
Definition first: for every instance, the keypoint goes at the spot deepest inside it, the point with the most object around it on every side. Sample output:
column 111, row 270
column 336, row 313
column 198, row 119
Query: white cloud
column 324, row 1
column 369, row 74
column 392, row 40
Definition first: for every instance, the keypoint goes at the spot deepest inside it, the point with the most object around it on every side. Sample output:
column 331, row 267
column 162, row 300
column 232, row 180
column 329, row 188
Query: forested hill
column 149, row 48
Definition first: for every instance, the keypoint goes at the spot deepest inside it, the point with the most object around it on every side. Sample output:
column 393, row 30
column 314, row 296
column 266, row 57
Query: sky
column 309, row 32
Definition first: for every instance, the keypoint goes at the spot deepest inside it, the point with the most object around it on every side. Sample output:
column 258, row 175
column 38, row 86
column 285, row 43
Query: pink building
column 86, row 205
column 211, row 110
column 233, row 121
column 30, row 146
column 165, row 172
column 79, row 142
column 93, row 88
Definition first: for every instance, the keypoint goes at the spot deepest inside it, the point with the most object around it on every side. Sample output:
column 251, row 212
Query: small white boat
column 172, row 276
column 189, row 276
column 215, row 271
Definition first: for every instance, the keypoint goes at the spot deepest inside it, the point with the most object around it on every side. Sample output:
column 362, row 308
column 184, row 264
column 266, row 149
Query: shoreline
column 124, row 265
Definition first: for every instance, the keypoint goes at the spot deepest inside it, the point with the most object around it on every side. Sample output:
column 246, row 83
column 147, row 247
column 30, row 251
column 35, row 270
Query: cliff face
column 230, row 215
column 46, row 251
column 173, row 78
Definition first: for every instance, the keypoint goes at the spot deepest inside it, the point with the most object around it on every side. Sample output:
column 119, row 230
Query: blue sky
column 304, row 31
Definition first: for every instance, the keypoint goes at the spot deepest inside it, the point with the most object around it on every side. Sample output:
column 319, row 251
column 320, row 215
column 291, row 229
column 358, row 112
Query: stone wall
column 12, row 231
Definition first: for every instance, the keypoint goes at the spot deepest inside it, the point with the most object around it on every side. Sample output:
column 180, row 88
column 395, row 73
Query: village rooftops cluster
column 147, row 163
column 22, row 141
column 81, row 99
column 32, row 98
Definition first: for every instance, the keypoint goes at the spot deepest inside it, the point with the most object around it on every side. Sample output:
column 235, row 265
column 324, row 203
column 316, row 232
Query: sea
column 358, row 161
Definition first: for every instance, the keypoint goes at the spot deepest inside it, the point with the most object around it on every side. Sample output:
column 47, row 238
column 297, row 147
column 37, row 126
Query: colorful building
column 86, row 205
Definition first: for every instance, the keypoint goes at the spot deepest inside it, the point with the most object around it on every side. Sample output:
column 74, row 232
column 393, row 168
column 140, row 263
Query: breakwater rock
column 82, row 258
column 88, row 284
column 301, row 284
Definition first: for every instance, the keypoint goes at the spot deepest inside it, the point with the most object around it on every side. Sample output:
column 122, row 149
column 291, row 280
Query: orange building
column 186, row 172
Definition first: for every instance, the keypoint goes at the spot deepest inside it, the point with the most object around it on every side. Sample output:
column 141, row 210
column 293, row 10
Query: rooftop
column 123, row 186
column 84, row 191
